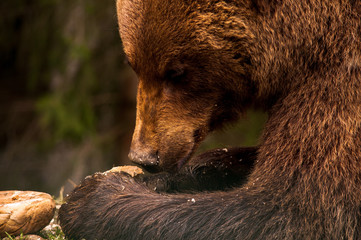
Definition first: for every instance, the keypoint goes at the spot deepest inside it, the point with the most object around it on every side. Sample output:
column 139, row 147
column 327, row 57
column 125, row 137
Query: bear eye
column 175, row 74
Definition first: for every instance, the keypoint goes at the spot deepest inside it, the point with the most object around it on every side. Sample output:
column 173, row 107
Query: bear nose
column 147, row 160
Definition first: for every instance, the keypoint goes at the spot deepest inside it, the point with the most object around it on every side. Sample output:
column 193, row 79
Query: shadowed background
column 67, row 99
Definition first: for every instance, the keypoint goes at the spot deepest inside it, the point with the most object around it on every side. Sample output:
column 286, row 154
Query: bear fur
column 200, row 64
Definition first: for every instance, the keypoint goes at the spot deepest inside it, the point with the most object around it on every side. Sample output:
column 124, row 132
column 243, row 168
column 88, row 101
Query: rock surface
column 24, row 212
column 131, row 170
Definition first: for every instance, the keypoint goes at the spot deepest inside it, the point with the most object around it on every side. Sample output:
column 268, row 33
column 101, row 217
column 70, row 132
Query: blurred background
column 67, row 98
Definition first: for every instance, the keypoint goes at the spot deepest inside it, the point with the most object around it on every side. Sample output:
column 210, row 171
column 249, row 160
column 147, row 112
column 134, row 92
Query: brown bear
column 200, row 64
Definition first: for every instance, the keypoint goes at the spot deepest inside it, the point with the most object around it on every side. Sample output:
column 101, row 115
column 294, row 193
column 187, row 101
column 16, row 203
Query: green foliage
column 67, row 115
column 55, row 234
column 245, row 132
column 250, row 128
column 21, row 237
column 67, row 112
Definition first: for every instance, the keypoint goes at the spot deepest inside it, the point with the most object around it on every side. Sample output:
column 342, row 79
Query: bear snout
column 149, row 161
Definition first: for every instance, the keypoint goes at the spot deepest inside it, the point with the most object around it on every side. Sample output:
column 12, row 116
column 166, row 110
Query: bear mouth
column 176, row 167
column 150, row 168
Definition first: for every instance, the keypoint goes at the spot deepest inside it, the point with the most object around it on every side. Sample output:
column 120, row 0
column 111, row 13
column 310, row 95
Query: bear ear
column 266, row 6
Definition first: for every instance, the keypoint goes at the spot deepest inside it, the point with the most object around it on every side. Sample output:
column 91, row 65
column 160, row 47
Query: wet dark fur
column 102, row 198
column 300, row 61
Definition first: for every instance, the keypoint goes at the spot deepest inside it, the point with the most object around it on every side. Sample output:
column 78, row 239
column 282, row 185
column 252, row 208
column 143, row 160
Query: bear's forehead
column 152, row 30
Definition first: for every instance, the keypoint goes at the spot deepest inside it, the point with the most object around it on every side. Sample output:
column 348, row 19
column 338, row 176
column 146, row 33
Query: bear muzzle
column 149, row 161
